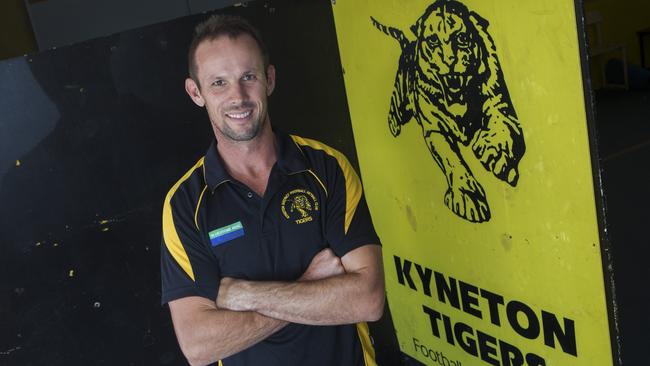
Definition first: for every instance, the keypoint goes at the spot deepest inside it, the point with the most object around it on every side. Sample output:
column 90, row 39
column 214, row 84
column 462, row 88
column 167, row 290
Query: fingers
column 324, row 264
column 324, row 255
column 513, row 176
column 227, row 296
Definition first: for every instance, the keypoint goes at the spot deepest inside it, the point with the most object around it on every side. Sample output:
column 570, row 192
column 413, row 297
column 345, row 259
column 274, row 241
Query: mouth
column 238, row 115
column 455, row 83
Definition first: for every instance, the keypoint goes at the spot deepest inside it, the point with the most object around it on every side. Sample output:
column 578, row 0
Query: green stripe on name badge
column 225, row 230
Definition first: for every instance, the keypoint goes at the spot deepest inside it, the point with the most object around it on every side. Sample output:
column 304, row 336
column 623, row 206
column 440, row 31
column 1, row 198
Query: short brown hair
column 219, row 25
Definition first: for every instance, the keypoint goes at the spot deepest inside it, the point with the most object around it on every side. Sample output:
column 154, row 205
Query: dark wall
column 16, row 36
column 63, row 22
column 92, row 136
column 624, row 147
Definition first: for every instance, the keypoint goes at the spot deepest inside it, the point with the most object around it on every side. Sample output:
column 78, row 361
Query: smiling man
column 269, row 256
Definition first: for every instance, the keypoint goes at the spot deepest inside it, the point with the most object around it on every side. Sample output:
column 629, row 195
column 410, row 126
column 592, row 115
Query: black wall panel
column 91, row 138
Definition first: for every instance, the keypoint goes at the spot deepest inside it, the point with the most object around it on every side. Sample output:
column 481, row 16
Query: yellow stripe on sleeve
column 366, row 344
column 172, row 241
column 353, row 188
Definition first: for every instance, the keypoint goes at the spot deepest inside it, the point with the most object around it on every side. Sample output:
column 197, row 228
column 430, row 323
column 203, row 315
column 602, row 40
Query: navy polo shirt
column 215, row 226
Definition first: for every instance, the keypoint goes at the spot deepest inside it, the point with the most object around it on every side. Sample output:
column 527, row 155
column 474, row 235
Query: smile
column 239, row 115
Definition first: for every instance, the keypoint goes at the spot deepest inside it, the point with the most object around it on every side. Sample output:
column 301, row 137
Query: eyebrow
column 217, row 76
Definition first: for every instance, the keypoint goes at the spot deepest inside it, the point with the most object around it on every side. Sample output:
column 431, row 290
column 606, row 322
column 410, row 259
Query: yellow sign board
column 470, row 125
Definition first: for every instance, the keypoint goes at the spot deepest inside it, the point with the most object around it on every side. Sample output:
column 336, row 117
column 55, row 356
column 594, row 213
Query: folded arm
column 354, row 294
column 207, row 334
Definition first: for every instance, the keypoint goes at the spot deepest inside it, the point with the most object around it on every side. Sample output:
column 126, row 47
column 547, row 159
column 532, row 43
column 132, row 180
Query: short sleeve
column 187, row 265
column 348, row 224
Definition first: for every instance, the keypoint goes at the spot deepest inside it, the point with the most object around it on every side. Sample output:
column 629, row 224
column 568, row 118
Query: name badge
column 226, row 233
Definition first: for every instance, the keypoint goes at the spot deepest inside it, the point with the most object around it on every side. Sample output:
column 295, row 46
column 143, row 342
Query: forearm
column 208, row 334
column 343, row 299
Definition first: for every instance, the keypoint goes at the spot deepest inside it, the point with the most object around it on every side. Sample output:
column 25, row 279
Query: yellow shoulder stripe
column 172, row 241
column 353, row 188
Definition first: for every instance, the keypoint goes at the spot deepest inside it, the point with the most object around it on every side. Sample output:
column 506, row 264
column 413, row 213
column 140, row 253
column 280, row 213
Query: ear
column 270, row 79
column 487, row 52
column 194, row 92
column 479, row 22
column 415, row 28
column 418, row 28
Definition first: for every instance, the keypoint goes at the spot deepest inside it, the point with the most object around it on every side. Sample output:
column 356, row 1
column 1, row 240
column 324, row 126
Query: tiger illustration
column 450, row 80
column 302, row 205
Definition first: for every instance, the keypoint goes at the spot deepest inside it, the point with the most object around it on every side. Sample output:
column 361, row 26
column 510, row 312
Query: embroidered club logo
column 299, row 206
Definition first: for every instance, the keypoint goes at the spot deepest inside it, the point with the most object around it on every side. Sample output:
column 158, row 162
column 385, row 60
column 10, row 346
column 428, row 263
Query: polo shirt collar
column 214, row 169
column 290, row 160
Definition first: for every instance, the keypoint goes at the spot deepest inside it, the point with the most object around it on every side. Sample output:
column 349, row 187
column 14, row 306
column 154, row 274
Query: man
column 269, row 256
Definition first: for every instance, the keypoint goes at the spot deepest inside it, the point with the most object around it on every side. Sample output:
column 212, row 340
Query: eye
column 249, row 77
column 218, row 82
column 463, row 40
column 433, row 40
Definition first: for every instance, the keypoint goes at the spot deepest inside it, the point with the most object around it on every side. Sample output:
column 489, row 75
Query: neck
column 250, row 162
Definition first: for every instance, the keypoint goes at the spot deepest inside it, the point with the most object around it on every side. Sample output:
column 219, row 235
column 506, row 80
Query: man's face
column 233, row 86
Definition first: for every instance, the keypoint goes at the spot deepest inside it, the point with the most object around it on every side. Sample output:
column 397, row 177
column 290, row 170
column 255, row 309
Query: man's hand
column 324, row 264
column 227, row 297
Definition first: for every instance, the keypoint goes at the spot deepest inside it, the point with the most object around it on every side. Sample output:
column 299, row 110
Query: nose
column 449, row 55
column 238, row 93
